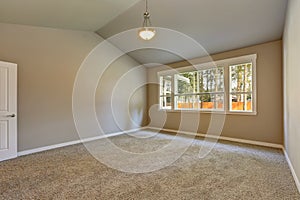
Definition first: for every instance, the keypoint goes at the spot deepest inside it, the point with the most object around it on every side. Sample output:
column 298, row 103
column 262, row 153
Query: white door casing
column 8, row 110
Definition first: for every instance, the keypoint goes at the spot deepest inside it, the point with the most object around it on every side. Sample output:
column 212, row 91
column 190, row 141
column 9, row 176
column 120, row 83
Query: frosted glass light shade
column 147, row 33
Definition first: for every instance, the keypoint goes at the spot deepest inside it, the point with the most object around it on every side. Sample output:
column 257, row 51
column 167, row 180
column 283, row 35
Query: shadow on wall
column 121, row 97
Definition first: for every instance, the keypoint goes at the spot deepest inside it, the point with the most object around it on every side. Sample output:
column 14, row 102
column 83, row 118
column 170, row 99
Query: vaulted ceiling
column 217, row 25
column 87, row 15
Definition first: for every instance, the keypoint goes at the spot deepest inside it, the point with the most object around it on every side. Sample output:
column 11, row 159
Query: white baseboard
column 8, row 158
column 258, row 143
column 265, row 144
column 292, row 169
column 40, row 149
column 46, row 148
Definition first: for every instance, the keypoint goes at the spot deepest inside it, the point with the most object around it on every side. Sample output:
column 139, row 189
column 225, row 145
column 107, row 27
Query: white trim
column 55, row 146
column 292, row 169
column 221, row 112
column 225, row 63
column 8, row 158
column 258, row 143
column 12, row 125
column 253, row 142
column 209, row 64
column 252, row 60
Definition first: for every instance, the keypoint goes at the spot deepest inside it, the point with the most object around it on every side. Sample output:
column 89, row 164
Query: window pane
column 165, row 85
column 241, row 78
column 206, row 101
column 186, row 83
column 241, row 102
column 212, row 101
column 165, row 102
column 219, row 102
column 187, row 102
column 200, row 102
column 211, row 80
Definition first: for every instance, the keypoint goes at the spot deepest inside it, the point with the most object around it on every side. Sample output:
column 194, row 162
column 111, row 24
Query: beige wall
column 291, row 49
column 48, row 60
column 267, row 125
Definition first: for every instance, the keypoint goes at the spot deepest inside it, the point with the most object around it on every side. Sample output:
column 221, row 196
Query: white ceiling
column 67, row 14
column 218, row 25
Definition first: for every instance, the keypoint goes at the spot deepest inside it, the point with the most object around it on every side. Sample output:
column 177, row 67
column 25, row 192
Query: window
column 241, row 87
column 165, row 92
column 226, row 86
column 200, row 90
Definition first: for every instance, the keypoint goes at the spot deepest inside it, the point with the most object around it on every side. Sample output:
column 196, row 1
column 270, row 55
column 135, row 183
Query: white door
column 8, row 110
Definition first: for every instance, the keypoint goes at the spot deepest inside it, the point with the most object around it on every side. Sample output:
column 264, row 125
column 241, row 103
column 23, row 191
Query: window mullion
column 227, row 80
column 173, row 86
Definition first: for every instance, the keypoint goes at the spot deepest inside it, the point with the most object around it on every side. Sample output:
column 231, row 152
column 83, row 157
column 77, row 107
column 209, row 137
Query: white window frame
column 226, row 63
column 197, row 93
column 164, row 95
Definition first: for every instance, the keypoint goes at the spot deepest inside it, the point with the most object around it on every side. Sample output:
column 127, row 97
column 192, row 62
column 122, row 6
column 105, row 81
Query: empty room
column 150, row 99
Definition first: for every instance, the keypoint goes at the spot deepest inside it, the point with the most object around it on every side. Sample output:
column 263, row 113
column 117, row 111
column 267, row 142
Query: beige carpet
column 231, row 171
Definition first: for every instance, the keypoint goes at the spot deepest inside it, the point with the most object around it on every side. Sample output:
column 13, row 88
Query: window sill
column 209, row 112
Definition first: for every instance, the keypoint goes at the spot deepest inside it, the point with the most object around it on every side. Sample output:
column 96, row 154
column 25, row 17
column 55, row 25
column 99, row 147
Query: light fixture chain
column 149, row 22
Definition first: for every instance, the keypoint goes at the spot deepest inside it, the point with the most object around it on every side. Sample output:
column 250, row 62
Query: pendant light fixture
column 147, row 32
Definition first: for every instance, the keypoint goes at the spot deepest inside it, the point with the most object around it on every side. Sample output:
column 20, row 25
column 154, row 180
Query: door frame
column 12, row 107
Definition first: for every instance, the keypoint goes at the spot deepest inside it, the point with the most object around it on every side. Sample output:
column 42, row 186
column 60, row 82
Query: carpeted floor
column 231, row 171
